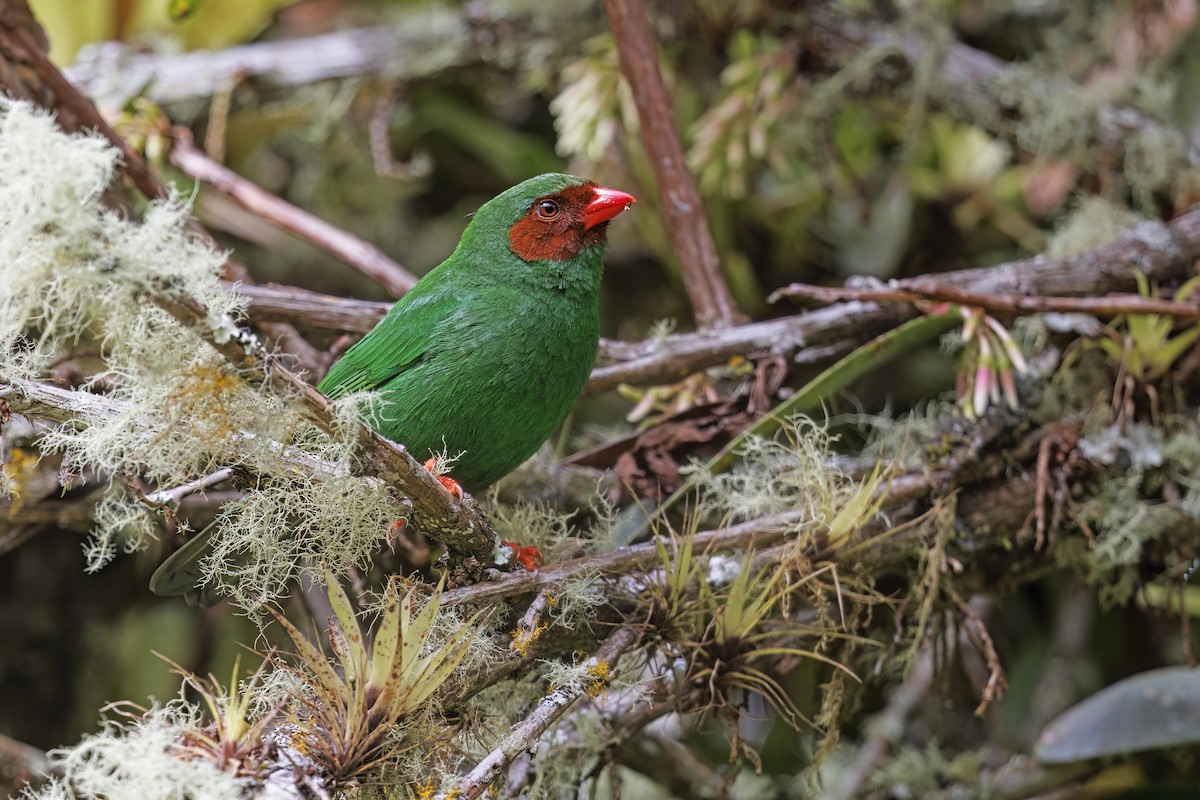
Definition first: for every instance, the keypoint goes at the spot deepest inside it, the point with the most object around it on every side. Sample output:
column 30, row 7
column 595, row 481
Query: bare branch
column 308, row 309
column 682, row 208
column 420, row 44
column 362, row 256
column 925, row 290
column 682, row 355
column 173, row 497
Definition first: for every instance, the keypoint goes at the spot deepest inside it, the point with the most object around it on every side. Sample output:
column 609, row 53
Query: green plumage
column 488, row 352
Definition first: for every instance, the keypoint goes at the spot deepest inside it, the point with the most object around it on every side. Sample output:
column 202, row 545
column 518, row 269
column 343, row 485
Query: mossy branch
column 459, row 525
column 525, row 733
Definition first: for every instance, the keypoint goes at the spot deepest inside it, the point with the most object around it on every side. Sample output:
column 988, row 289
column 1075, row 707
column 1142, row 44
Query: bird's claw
column 528, row 557
column 395, row 530
column 446, row 481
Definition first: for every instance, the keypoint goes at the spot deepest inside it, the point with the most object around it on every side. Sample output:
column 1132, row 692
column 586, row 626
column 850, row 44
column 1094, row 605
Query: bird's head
column 553, row 217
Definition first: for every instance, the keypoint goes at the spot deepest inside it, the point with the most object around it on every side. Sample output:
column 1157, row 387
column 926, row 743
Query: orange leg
column 528, row 557
column 445, row 480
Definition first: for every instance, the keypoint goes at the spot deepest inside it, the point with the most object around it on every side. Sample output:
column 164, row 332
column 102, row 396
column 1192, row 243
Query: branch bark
column 682, row 208
column 525, row 733
column 422, row 43
column 926, row 290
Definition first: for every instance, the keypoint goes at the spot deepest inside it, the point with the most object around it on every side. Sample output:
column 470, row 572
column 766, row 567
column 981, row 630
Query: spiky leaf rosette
column 352, row 708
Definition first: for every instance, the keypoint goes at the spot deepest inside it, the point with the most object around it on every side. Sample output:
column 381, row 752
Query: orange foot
column 528, row 557
column 395, row 530
column 445, row 480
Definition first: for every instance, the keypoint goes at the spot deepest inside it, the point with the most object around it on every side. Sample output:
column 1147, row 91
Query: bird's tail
column 181, row 574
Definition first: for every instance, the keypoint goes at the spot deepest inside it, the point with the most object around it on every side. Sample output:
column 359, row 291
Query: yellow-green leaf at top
column 194, row 24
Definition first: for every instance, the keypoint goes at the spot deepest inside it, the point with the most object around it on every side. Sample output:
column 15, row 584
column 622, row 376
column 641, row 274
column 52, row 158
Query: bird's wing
column 401, row 340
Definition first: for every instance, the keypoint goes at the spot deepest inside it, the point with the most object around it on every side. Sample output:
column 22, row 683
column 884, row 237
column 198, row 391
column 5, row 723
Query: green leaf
column 387, row 639
column 1150, row 711
column 312, row 657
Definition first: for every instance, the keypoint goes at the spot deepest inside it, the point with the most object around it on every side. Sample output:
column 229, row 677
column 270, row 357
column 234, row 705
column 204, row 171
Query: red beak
column 606, row 204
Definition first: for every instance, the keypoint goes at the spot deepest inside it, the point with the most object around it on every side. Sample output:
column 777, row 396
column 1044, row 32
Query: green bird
column 486, row 355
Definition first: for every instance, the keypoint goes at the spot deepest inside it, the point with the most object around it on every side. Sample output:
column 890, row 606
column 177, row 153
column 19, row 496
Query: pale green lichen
column 139, row 760
column 72, row 267
column 77, row 274
column 790, row 472
column 1095, row 223
column 1156, row 161
column 291, row 525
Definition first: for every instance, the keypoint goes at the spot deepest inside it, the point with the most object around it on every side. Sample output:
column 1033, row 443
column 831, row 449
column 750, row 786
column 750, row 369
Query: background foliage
column 1050, row 547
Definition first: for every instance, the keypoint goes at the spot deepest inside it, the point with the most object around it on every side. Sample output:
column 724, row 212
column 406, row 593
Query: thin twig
column 682, row 208
column 530, row 626
column 78, row 514
column 887, row 728
column 525, row 733
column 926, row 290
column 362, row 256
column 996, row 683
column 173, row 497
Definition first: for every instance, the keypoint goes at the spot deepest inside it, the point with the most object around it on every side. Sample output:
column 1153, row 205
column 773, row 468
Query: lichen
column 76, row 274
column 138, row 760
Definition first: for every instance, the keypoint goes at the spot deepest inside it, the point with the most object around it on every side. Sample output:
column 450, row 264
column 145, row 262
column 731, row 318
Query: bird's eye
column 547, row 209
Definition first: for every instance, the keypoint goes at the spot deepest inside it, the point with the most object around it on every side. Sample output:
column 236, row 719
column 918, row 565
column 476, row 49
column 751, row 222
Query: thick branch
column 679, row 356
column 758, row 532
column 422, row 43
column 927, row 290
column 682, row 208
